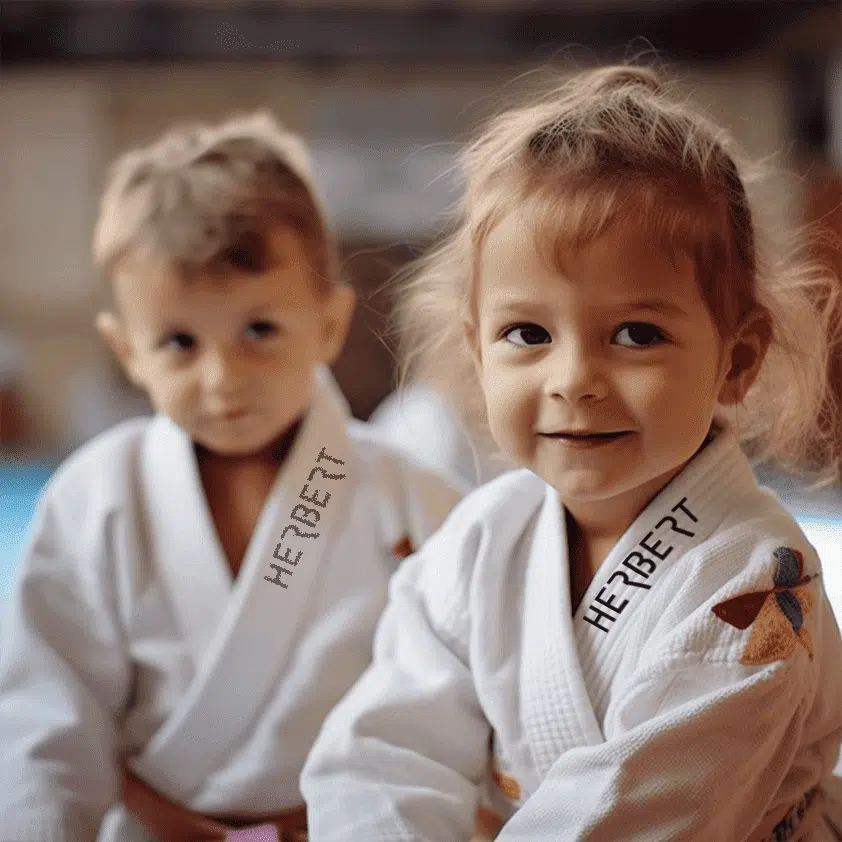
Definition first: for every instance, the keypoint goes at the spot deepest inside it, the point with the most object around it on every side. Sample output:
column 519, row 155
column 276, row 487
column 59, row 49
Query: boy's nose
column 224, row 375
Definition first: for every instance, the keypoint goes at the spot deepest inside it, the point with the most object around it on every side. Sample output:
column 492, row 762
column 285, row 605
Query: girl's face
column 600, row 374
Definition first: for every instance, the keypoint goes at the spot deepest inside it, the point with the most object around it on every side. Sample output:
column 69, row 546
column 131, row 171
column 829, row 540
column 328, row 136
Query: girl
column 630, row 638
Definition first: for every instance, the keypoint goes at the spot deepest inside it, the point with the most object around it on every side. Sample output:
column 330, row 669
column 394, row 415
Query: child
column 630, row 637
column 202, row 587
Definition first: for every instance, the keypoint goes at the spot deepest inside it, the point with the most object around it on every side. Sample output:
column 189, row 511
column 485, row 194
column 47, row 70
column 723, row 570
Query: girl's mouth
column 586, row 439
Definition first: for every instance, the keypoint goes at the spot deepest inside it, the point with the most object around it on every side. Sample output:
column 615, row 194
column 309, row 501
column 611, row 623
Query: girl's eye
column 260, row 330
column 638, row 335
column 180, row 342
column 527, row 335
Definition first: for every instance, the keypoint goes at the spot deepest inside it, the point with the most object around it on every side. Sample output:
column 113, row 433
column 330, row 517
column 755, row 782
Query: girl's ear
column 746, row 354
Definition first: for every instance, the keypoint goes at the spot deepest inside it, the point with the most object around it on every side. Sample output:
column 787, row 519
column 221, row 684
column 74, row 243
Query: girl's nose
column 575, row 374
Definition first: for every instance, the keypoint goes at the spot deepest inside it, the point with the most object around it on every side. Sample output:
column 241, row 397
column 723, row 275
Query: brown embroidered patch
column 777, row 615
column 741, row 611
column 509, row 786
column 403, row 548
column 771, row 639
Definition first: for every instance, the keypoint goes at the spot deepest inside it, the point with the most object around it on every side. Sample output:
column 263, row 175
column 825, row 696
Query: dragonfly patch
column 776, row 615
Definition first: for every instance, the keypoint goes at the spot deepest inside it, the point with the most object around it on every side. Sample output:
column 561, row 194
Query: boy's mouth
column 233, row 414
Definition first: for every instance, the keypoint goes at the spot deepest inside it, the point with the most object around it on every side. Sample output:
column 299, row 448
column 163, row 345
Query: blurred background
column 384, row 91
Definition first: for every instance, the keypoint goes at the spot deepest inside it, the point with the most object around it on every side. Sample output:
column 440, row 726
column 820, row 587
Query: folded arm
column 401, row 757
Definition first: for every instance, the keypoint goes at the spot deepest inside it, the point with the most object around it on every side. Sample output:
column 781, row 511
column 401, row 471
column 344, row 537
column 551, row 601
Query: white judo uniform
column 645, row 715
column 421, row 422
column 126, row 636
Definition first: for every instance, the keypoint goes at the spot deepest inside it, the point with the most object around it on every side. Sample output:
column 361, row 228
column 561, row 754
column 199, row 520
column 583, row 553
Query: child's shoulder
column 751, row 593
column 498, row 512
column 747, row 548
column 102, row 461
column 376, row 451
column 380, row 458
column 478, row 534
column 391, row 480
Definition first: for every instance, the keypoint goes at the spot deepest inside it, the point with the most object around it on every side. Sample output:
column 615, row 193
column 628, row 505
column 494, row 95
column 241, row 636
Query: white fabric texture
column 643, row 716
column 126, row 632
column 422, row 423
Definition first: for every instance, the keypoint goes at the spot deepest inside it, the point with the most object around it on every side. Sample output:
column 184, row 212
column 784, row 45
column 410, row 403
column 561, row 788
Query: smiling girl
column 629, row 638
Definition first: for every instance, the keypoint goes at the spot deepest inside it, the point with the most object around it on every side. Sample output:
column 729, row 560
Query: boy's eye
column 638, row 335
column 261, row 329
column 180, row 342
column 527, row 335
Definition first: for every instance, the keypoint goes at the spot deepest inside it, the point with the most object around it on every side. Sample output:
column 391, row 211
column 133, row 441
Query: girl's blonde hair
column 204, row 199
column 611, row 144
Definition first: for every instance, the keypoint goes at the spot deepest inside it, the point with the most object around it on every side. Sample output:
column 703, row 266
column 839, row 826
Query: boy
column 202, row 587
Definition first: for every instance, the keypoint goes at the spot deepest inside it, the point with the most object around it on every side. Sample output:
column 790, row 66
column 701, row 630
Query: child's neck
column 274, row 453
column 237, row 487
column 586, row 552
column 593, row 528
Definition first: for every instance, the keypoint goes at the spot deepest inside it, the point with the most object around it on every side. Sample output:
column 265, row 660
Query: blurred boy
column 202, row 587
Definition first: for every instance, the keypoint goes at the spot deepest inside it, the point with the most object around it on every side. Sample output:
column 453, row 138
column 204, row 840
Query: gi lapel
column 557, row 713
column 180, row 537
column 246, row 656
column 569, row 662
column 683, row 515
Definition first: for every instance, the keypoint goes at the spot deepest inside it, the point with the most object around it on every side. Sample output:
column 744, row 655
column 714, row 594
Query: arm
column 401, row 756
column 64, row 678
column 699, row 753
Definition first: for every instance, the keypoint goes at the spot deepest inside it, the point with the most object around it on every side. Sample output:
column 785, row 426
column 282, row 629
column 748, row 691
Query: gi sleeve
column 402, row 756
column 64, row 678
column 699, row 746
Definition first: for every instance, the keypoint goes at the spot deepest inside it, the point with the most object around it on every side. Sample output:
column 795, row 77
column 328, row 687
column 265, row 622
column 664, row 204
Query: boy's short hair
column 205, row 199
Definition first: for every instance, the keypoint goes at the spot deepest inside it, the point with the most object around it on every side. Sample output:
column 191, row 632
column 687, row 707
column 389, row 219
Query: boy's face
column 230, row 361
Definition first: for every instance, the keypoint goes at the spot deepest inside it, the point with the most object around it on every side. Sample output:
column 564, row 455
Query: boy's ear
column 337, row 315
column 111, row 329
column 747, row 352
